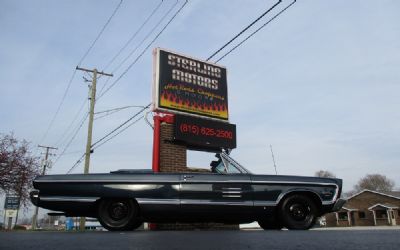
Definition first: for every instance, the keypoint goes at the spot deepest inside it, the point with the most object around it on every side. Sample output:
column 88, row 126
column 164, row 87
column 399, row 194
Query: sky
column 320, row 83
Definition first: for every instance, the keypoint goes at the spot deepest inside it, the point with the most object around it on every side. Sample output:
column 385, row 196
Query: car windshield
column 227, row 165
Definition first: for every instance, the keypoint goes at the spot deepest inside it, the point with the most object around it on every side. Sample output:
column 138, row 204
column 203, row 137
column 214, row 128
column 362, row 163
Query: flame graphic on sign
column 212, row 108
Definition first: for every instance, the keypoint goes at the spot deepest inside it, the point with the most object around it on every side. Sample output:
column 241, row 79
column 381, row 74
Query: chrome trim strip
column 265, row 203
column 127, row 181
column 218, row 203
column 231, row 188
column 231, row 196
column 231, row 192
column 69, row 198
column 158, row 201
column 297, row 182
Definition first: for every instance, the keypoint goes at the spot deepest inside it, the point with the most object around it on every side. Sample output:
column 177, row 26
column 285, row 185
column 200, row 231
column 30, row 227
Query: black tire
column 118, row 214
column 270, row 224
column 298, row 212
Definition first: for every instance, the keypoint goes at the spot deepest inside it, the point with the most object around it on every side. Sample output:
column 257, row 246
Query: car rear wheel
column 118, row 214
column 298, row 212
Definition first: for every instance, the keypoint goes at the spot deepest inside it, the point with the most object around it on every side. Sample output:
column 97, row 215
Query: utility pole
column 90, row 125
column 45, row 165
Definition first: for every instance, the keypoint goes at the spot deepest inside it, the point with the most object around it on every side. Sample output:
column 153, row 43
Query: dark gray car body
column 184, row 197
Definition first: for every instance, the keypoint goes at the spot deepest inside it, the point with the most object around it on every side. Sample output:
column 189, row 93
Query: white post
column 389, row 217
column 337, row 219
column 373, row 212
column 348, row 218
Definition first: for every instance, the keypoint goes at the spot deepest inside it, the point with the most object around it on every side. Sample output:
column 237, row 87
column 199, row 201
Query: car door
column 214, row 196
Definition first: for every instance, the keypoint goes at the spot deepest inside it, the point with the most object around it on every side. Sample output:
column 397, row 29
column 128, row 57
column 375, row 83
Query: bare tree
column 375, row 182
column 325, row 174
column 17, row 168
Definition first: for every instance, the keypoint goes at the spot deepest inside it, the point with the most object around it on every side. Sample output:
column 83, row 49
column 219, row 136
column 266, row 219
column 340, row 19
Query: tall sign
column 186, row 85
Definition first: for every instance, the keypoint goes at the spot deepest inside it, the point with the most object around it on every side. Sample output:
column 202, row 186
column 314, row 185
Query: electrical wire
column 113, row 111
column 100, row 33
column 74, row 73
column 257, row 30
column 144, row 50
column 59, row 142
column 72, row 138
column 58, row 108
column 243, row 30
column 139, row 45
column 133, row 36
column 119, row 132
column 76, row 164
column 104, row 139
column 119, row 126
column 147, row 36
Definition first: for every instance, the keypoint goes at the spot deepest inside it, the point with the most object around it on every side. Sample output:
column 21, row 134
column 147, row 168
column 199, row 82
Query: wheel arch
column 309, row 193
column 138, row 212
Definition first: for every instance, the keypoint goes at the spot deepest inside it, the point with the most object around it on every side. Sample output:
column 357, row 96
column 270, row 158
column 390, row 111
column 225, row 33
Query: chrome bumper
column 338, row 205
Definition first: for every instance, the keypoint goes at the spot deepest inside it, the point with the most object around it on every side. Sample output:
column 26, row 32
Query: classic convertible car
column 123, row 199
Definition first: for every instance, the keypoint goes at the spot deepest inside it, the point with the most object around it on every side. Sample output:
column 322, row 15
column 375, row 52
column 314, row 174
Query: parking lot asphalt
column 188, row 240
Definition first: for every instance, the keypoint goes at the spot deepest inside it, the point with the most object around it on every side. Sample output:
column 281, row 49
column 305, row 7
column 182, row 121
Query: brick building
column 368, row 208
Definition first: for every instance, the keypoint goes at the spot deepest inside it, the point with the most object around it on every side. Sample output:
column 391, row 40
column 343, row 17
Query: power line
column 74, row 72
column 121, row 125
column 138, row 46
column 118, row 109
column 265, row 24
column 76, row 163
column 134, row 35
column 59, row 107
column 147, row 36
column 243, row 30
column 100, row 33
column 113, row 111
column 119, row 132
column 71, row 123
column 144, row 50
column 72, row 138
column 102, row 142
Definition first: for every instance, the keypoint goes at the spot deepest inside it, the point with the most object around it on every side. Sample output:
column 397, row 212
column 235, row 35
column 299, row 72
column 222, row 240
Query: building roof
column 385, row 205
column 392, row 194
column 348, row 208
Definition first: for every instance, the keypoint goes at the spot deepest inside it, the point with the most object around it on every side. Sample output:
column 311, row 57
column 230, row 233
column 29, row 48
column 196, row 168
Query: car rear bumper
column 34, row 195
column 338, row 205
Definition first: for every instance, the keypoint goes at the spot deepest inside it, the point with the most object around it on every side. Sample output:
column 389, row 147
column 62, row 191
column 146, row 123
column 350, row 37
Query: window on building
column 398, row 213
column 361, row 215
column 381, row 214
column 342, row 216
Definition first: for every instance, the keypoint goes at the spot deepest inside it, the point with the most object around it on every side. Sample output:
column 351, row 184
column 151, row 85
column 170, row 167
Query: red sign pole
column 156, row 143
column 158, row 118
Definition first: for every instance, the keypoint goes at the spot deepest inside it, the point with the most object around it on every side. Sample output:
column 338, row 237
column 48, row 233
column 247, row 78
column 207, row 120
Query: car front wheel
column 118, row 214
column 298, row 212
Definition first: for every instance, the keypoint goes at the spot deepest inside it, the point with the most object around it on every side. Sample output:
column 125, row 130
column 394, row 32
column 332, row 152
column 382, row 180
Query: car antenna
column 273, row 159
